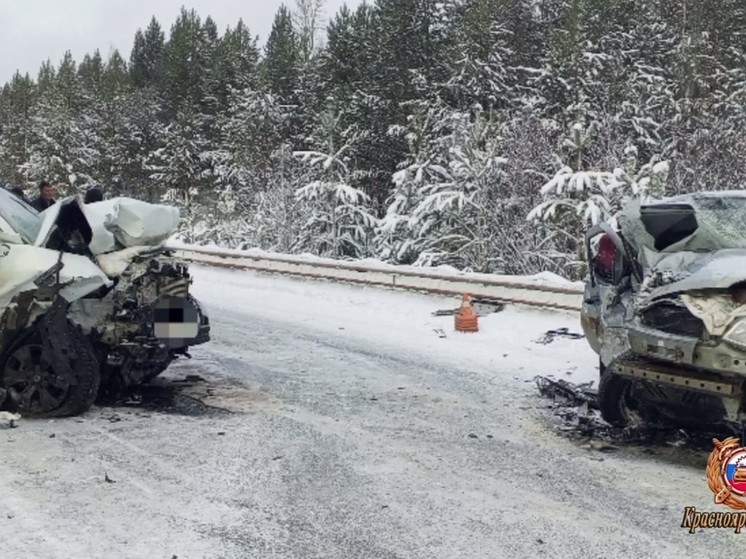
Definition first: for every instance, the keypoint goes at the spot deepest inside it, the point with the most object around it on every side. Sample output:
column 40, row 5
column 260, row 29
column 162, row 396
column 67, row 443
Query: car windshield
column 20, row 216
column 721, row 219
column 701, row 222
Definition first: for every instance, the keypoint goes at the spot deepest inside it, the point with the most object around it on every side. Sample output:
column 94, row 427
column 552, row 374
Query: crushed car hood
column 114, row 264
column 701, row 271
column 24, row 267
column 111, row 225
column 122, row 223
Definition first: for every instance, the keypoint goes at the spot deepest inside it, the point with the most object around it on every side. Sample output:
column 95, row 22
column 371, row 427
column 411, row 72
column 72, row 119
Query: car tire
column 615, row 401
column 74, row 399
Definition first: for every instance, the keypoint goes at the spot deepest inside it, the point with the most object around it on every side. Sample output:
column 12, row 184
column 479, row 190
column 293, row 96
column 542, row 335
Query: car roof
column 713, row 194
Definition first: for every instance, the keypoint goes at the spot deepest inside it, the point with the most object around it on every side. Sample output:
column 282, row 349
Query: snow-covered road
column 357, row 431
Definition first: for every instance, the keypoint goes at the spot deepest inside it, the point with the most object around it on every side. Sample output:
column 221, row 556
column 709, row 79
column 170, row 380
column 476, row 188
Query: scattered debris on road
column 446, row 312
column 572, row 394
column 482, row 307
column 172, row 397
column 574, row 409
column 551, row 335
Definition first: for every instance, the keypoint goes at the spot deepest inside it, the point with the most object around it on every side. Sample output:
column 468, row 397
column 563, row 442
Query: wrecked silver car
column 90, row 301
column 665, row 309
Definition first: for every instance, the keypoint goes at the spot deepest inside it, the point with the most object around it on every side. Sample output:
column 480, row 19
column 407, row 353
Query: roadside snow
column 401, row 323
column 543, row 278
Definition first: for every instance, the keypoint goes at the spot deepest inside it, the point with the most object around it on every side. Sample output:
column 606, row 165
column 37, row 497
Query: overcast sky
column 34, row 30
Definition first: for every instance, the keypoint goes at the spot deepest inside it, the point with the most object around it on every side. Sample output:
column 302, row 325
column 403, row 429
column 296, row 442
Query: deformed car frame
column 665, row 309
column 74, row 323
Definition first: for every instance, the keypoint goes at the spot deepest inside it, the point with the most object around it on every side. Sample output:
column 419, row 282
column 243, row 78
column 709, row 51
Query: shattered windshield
column 716, row 221
column 22, row 218
column 722, row 221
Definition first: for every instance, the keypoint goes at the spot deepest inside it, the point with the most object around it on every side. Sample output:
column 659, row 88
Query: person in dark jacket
column 45, row 198
column 94, row 194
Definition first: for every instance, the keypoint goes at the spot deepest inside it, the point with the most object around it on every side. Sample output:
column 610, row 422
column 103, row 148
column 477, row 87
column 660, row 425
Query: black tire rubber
column 155, row 371
column 613, row 399
column 79, row 397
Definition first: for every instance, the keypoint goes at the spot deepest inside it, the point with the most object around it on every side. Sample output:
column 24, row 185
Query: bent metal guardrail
column 518, row 291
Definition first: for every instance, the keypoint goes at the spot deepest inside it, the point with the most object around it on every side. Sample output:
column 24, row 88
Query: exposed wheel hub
column 31, row 382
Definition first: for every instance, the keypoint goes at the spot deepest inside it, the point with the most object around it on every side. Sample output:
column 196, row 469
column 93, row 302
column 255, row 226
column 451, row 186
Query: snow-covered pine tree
column 144, row 136
column 340, row 224
column 179, row 167
column 460, row 203
column 570, row 80
column 17, row 101
column 59, row 150
column 577, row 199
column 281, row 63
column 351, row 90
column 237, row 63
column 395, row 238
column 484, row 65
column 280, row 216
column 146, row 59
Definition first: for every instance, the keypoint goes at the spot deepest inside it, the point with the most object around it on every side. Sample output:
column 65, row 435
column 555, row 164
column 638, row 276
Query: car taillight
column 606, row 257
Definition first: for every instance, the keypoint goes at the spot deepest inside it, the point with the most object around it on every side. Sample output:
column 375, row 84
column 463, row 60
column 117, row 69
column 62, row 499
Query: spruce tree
column 281, row 65
column 147, row 56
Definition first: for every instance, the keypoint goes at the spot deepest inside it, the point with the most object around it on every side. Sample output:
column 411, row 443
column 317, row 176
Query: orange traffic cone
column 466, row 319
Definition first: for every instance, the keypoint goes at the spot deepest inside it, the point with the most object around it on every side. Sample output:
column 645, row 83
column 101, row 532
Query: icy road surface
column 356, row 431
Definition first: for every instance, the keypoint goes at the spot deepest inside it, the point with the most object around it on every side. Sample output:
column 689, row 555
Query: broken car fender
column 22, row 265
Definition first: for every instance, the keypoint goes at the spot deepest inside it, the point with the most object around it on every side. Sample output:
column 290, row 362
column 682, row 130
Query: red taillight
column 606, row 256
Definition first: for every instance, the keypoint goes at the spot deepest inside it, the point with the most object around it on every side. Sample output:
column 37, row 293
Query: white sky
column 34, row 30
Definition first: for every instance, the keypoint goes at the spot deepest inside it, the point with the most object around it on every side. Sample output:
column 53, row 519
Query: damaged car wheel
column 616, row 401
column 37, row 387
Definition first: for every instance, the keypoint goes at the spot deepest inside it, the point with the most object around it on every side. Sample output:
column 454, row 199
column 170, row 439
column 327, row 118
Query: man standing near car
column 45, row 198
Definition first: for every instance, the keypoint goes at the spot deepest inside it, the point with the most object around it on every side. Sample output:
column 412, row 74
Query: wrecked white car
column 90, row 300
column 665, row 309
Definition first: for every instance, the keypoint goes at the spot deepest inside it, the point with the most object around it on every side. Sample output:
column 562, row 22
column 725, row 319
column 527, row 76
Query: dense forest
column 483, row 134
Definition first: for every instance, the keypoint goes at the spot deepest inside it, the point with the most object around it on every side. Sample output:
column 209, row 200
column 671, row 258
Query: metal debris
column 484, row 306
column 446, row 312
column 551, row 335
column 575, row 414
column 568, row 393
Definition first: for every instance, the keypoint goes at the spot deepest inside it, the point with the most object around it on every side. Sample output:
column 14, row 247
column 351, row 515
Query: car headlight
column 736, row 336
